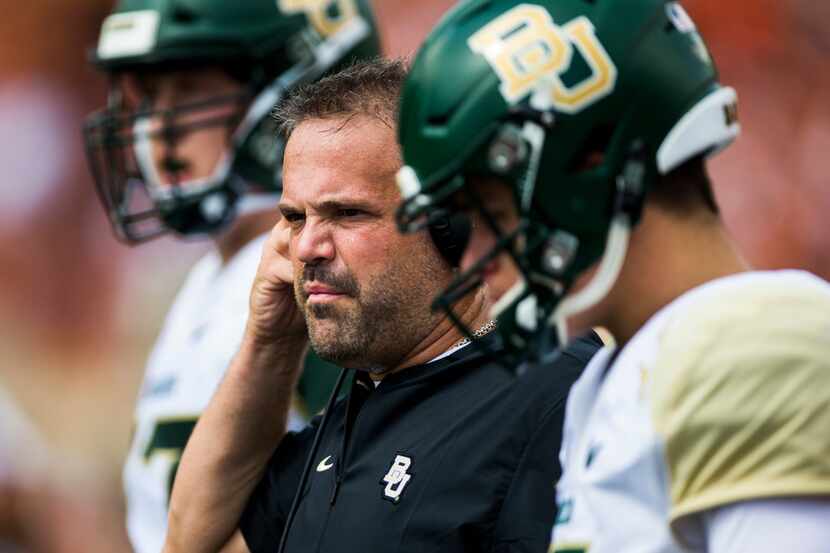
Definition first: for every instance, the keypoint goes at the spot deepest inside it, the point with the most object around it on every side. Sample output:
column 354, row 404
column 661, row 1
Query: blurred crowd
column 78, row 310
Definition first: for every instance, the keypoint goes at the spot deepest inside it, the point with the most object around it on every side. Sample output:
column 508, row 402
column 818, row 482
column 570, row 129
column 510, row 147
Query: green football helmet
column 529, row 92
column 269, row 46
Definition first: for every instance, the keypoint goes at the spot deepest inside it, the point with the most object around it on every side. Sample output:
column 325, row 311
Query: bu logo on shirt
column 396, row 478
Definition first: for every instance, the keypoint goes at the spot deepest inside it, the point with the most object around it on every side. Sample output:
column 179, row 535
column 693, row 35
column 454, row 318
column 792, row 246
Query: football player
column 186, row 145
column 706, row 429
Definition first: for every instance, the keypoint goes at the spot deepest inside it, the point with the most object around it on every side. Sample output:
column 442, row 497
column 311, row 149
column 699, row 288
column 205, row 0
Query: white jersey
column 24, row 454
column 201, row 334
column 722, row 397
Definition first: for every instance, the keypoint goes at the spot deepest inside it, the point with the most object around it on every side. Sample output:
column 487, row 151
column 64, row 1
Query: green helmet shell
column 268, row 45
column 152, row 33
column 525, row 90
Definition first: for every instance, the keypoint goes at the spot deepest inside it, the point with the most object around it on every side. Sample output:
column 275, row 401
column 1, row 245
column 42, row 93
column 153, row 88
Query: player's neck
column 244, row 229
column 666, row 259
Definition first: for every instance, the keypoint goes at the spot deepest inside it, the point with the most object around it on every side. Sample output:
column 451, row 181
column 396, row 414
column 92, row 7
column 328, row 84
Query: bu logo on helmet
column 530, row 53
column 327, row 16
column 396, row 478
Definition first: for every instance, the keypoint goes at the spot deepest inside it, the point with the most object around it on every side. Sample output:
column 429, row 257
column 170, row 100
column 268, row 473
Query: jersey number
column 168, row 441
column 529, row 52
column 327, row 16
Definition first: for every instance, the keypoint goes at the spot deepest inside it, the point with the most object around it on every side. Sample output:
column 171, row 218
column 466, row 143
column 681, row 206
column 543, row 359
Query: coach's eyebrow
column 329, row 206
column 288, row 210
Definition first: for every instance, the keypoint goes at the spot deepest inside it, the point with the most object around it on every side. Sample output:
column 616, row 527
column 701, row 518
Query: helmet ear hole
column 593, row 152
column 590, row 160
column 182, row 14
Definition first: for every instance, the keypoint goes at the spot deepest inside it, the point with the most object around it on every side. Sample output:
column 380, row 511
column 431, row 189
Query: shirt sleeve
column 529, row 507
column 264, row 516
column 741, row 397
column 761, row 526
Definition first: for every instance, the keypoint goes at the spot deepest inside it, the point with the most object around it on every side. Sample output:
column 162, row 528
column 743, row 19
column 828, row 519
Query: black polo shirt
column 459, row 454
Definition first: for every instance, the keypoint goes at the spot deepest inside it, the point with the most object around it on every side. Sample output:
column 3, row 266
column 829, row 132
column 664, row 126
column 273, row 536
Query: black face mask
column 139, row 207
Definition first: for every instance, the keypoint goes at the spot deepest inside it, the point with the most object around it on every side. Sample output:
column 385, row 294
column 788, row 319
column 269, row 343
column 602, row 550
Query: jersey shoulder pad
column 741, row 392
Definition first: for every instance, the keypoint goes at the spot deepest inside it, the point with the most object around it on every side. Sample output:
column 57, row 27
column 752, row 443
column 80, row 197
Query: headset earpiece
column 450, row 232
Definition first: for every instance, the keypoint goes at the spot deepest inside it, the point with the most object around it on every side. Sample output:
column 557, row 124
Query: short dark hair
column 685, row 189
column 372, row 88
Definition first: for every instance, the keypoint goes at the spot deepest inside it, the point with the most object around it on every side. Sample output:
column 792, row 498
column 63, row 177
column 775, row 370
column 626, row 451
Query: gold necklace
column 484, row 329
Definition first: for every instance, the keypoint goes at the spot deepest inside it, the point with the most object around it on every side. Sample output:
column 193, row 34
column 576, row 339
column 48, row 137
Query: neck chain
column 484, row 329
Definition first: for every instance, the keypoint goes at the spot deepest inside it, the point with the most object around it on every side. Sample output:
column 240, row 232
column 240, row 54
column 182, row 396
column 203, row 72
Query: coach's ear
column 451, row 233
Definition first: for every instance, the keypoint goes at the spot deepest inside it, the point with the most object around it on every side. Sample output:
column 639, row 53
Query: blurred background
column 79, row 311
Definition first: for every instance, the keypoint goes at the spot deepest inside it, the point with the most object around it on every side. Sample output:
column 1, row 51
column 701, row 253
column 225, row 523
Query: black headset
column 450, row 232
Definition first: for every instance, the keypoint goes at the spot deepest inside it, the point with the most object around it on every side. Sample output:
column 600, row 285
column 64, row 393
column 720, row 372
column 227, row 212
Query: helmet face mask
column 144, row 177
column 515, row 238
column 576, row 106
column 134, row 148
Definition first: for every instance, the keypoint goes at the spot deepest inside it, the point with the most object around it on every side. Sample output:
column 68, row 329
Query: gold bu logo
column 327, row 16
column 530, row 52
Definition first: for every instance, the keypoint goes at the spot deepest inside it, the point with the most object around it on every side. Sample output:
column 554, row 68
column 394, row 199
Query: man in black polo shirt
column 437, row 447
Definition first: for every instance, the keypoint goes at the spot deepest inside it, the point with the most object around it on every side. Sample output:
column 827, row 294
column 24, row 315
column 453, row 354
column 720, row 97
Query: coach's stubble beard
column 379, row 322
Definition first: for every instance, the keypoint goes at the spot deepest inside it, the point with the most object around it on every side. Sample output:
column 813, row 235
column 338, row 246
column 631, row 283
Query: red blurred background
column 78, row 311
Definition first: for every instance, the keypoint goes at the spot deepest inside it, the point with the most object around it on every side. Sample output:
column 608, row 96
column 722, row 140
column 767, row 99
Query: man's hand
column 246, row 419
column 274, row 313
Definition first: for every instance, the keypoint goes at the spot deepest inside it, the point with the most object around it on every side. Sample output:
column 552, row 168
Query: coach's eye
column 294, row 218
column 348, row 212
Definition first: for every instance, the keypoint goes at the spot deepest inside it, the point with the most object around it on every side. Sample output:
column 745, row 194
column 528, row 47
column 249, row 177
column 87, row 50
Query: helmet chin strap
column 508, row 298
column 143, row 151
column 609, row 269
column 146, row 163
